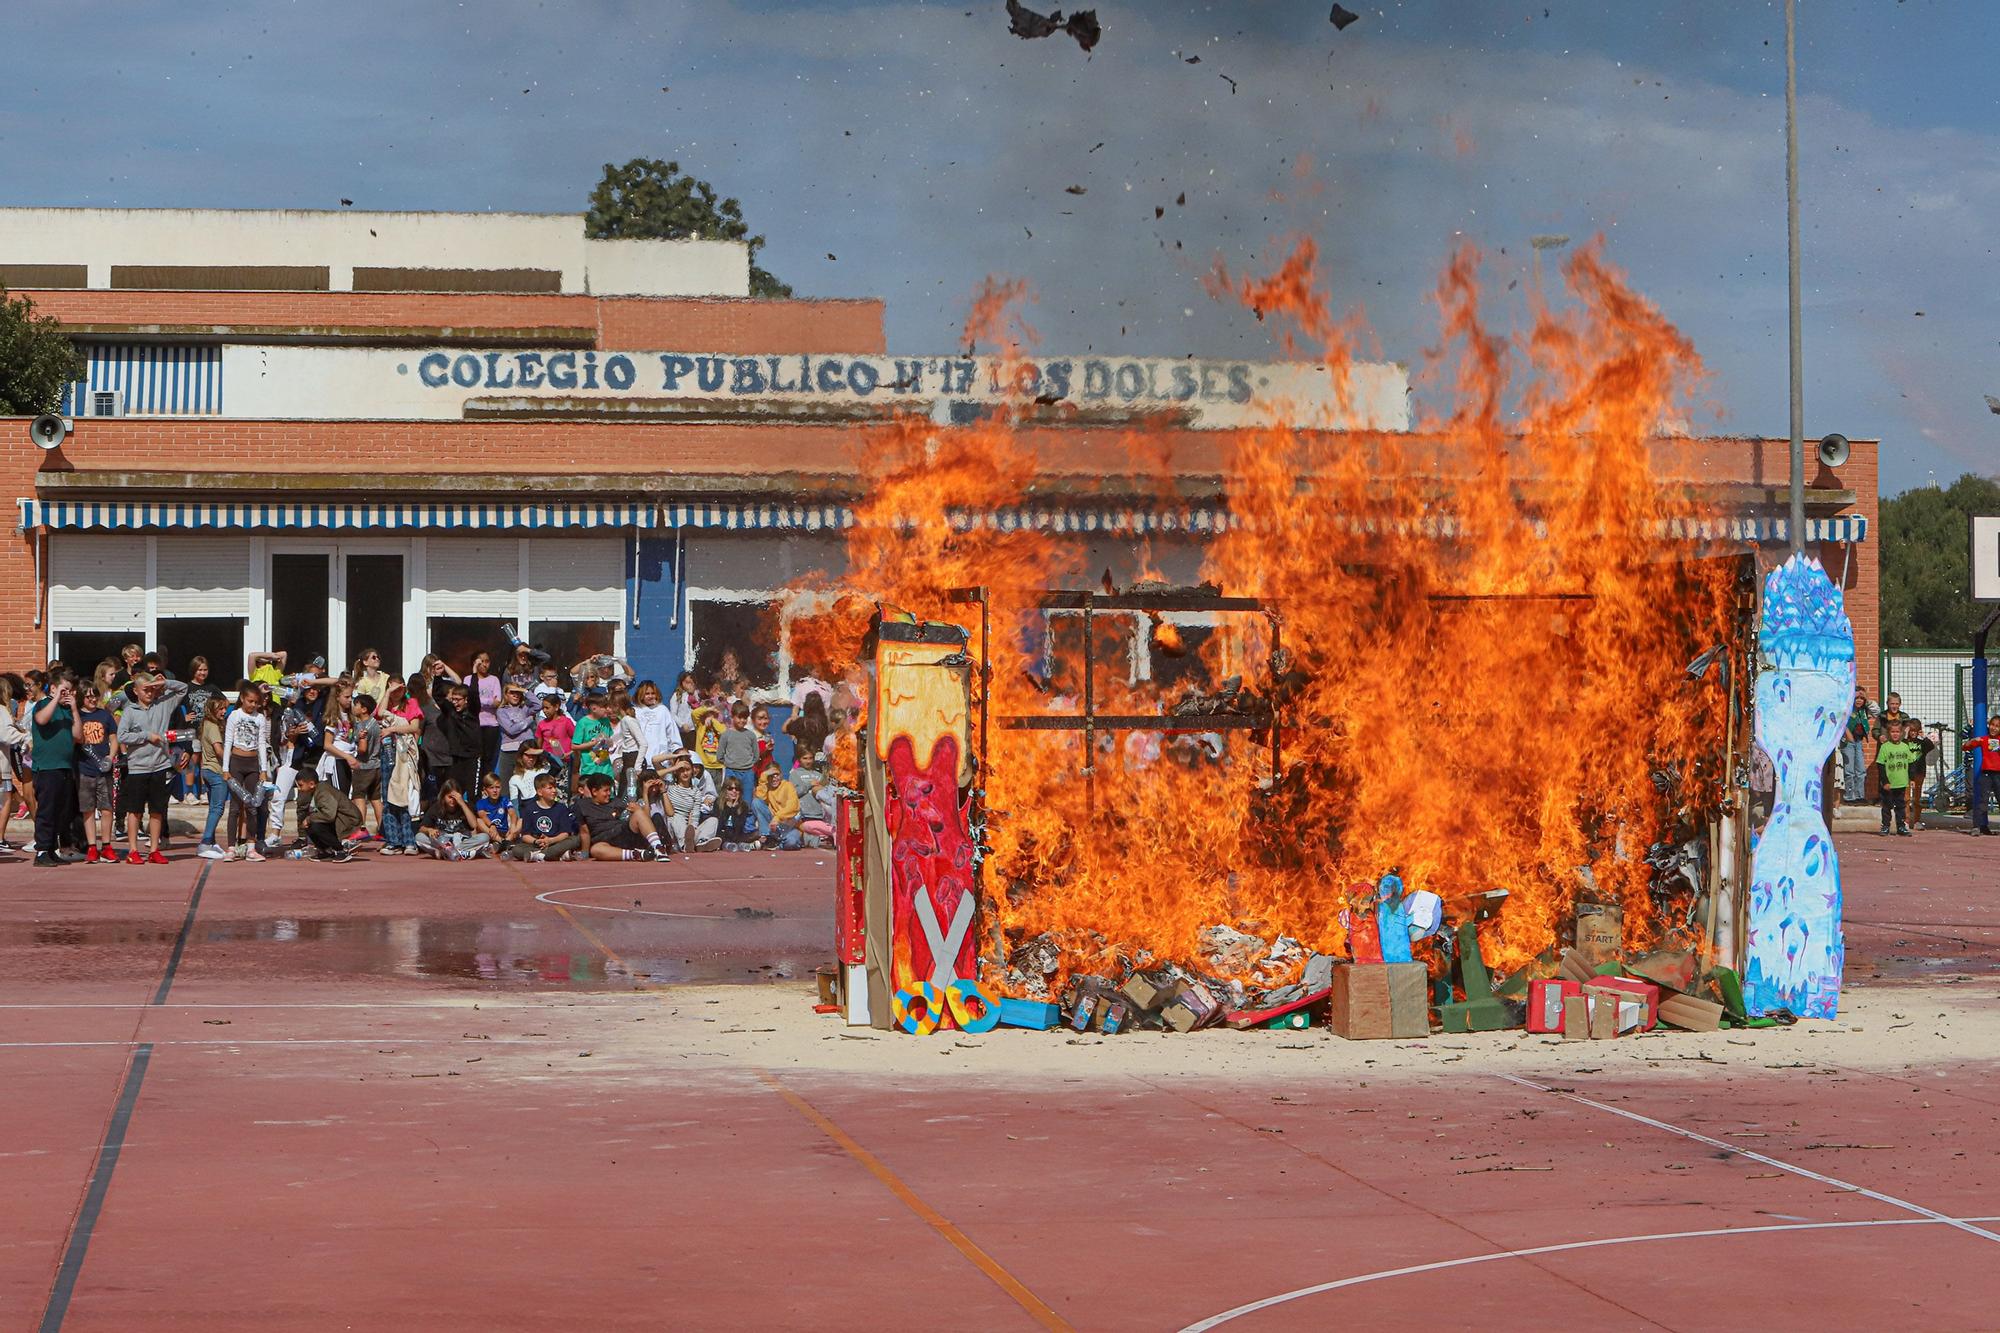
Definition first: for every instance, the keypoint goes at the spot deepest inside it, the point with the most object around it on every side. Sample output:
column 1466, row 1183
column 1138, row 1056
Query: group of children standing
column 1903, row 758
column 442, row 764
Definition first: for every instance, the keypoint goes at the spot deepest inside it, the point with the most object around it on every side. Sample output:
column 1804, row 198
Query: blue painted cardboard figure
column 1392, row 919
column 1804, row 693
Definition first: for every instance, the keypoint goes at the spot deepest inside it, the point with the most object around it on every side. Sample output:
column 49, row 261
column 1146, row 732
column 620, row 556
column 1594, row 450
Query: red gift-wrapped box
column 1645, row 990
column 1545, row 1003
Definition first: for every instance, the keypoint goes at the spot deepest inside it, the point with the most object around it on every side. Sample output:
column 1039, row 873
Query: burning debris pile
column 1593, row 989
column 1461, row 652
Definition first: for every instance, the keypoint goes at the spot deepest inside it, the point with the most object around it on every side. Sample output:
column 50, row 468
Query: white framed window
column 740, row 631
column 754, row 628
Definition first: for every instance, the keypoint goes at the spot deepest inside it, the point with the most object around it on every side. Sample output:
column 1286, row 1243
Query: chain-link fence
column 1928, row 681
column 1935, row 686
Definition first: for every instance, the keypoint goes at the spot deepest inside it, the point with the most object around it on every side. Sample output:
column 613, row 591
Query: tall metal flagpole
column 1797, row 528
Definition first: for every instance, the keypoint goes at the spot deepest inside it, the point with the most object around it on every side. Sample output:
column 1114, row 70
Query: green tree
column 1926, row 583
column 655, row 200
column 37, row 361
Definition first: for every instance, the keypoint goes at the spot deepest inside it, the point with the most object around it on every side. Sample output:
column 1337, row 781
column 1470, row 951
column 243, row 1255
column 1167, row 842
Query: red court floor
column 398, row 1095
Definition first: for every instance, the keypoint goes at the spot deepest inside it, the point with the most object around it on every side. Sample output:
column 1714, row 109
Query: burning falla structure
column 1499, row 661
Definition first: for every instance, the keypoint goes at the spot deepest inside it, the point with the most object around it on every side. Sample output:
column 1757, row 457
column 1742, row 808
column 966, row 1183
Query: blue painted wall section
column 657, row 645
column 1804, row 692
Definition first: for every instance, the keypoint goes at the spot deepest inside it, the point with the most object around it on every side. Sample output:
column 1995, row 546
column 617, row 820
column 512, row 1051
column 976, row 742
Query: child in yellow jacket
column 777, row 804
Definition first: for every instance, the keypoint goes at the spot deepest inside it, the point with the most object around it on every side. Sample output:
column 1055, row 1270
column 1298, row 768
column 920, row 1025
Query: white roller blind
column 576, row 578
column 472, row 576
column 97, row 582
column 203, row 576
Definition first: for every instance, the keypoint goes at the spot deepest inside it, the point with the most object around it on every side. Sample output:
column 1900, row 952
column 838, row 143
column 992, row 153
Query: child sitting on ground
column 548, row 827
column 447, row 828
column 327, row 817
column 735, row 821
column 690, row 804
column 778, row 805
column 491, row 814
column 615, row 832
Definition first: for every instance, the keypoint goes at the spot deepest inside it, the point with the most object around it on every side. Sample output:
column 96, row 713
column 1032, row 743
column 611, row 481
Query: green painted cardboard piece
column 1479, row 1011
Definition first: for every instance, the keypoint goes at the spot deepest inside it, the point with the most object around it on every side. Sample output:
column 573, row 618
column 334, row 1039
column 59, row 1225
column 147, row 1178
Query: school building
column 333, row 431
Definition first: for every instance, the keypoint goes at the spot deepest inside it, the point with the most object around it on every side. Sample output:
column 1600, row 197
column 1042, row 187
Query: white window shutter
column 203, row 576
column 576, row 578
column 97, row 582
column 472, row 576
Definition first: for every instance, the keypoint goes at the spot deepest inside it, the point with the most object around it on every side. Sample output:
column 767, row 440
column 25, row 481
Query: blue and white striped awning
column 70, row 515
column 1754, row 528
column 1123, row 521
column 818, row 518
column 758, row 517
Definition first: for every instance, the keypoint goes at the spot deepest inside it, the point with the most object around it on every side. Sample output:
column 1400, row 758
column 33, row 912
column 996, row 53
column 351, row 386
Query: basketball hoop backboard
column 1986, row 558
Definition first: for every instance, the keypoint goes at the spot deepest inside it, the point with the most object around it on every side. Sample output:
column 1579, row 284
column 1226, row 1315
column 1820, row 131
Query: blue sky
column 925, row 148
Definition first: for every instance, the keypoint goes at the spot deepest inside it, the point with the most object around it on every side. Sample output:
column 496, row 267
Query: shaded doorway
column 375, row 595
column 301, row 594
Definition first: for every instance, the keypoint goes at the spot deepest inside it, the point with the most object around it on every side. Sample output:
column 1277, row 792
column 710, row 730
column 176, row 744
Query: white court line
column 552, row 894
column 300, row 1041
column 1837, row 1183
column 469, row 1003
column 1253, row 1307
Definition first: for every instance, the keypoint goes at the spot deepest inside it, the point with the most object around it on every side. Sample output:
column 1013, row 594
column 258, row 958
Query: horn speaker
column 48, row 430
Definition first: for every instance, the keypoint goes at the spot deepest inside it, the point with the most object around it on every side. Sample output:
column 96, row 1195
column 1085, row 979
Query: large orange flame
column 1486, row 631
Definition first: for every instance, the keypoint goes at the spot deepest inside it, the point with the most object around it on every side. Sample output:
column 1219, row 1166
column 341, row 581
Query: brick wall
column 1863, row 587
column 649, row 324
column 21, row 643
column 621, row 323
column 432, row 448
column 387, row 310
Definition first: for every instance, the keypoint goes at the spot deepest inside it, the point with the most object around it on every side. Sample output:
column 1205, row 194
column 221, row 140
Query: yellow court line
column 981, row 1260
column 575, row 924
column 984, row 1262
column 590, row 935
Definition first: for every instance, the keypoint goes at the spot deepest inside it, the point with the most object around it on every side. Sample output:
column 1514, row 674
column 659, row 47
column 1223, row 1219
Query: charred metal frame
column 1090, row 604
column 1718, row 918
